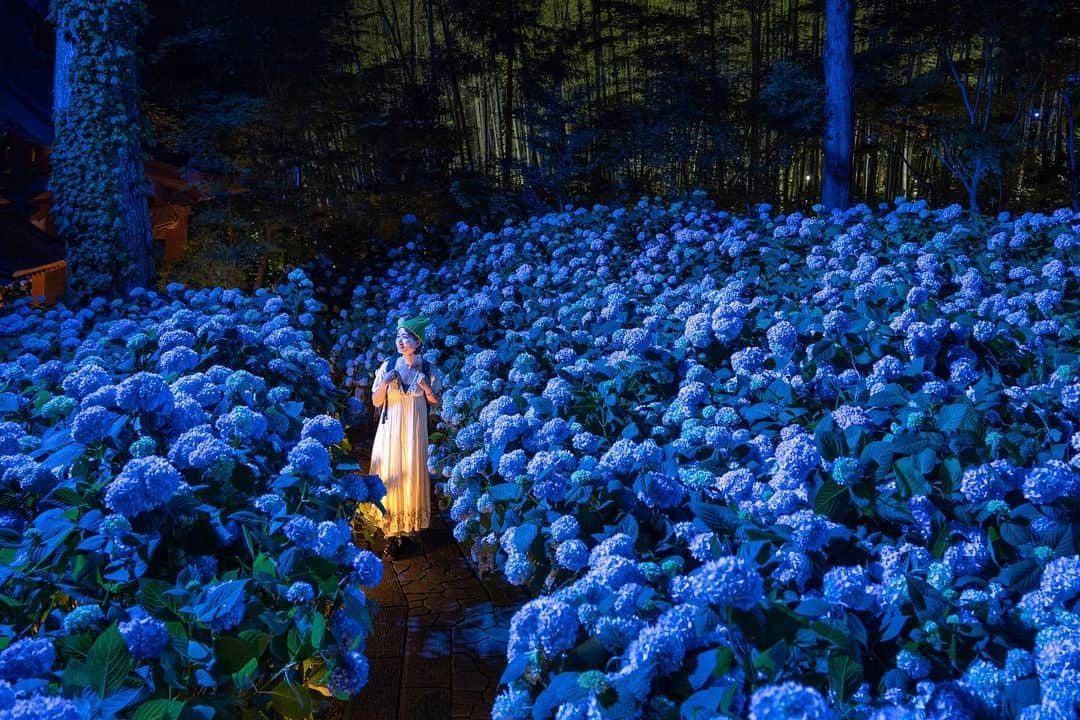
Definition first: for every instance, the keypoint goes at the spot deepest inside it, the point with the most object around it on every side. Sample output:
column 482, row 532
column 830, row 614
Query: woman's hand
column 429, row 393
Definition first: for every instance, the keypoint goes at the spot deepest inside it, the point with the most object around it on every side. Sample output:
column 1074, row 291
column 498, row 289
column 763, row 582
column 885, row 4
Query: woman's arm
column 378, row 390
column 432, row 393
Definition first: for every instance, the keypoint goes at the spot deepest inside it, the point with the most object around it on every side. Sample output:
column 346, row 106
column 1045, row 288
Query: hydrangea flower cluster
column 701, row 435
column 157, row 465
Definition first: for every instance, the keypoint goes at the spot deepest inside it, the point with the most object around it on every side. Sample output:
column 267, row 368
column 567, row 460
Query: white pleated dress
column 400, row 454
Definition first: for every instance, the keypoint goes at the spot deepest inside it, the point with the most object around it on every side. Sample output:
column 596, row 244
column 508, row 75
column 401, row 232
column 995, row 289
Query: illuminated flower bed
column 753, row 465
column 174, row 510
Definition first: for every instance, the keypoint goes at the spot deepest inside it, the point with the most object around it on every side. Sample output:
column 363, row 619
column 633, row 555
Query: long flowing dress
column 400, row 454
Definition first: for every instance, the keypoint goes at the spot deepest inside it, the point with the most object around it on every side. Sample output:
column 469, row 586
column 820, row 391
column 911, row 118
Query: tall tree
column 100, row 198
column 839, row 137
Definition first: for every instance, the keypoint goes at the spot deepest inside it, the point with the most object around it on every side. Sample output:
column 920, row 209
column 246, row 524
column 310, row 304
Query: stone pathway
column 438, row 646
column 439, row 642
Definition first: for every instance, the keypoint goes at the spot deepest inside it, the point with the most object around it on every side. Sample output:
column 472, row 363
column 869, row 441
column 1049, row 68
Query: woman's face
column 406, row 343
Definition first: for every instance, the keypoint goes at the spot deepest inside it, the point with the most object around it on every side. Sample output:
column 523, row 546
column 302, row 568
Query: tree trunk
column 508, row 118
column 1070, row 147
column 455, row 86
column 838, row 141
column 755, row 90
column 97, row 177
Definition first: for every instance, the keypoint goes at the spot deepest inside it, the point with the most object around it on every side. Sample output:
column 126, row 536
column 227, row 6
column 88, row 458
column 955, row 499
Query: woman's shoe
column 392, row 550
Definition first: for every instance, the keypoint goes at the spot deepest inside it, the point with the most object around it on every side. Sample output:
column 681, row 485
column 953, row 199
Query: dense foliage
column 174, row 506
column 456, row 109
column 823, row 464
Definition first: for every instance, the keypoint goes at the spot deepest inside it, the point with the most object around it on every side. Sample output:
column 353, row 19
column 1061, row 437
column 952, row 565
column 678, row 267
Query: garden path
column 438, row 645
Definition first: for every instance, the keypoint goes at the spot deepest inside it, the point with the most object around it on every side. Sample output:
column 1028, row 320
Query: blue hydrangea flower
column 241, row 423
column 546, row 624
column 85, row 380
column 177, row 360
column 844, row 470
column 912, row 664
column 91, row 425
column 788, row 701
column 572, row 554
column 698, row 330
column 514, row 703
column 58, row 407
column 920, row 341
column 323, row 428
column 303, row 532
column 10, row 435
column 1070, row 398
column 332, row 536
column 797, row 456
column 663, row 644
column 83, row 617
column 42, row 707
column 352, row 677
column 981, row 483
column 356, row 488
column 26, row 658
column 144, row 484
column 659, row 490
column 242, row 384
column 1051, row 480
column 748, row 361
column 518, row 569
column 782, row 338
column 310, row 457
column 847, row 416
column 835, row 322
column 728, row 581
column 470, row 437
column 144, row 392
column 300, row 593
column 272, row 505
column 809, row 531
column 566, row 527
column 210, row 452
column 175, row 338
column 847, row 587
column 368, row 568
column 142, row 447
column 145, row 636
column 736, row 485
column 1060, row 583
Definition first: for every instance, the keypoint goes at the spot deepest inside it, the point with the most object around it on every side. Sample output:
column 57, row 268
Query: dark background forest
column 339, row 117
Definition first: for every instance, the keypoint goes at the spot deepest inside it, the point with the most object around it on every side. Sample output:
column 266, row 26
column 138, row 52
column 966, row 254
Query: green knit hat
column 416, row 326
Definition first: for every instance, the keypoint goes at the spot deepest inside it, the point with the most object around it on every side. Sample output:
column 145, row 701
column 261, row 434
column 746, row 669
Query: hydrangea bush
column 822, row 463
column 174, row 511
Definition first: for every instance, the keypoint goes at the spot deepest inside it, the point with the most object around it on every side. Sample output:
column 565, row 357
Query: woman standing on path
column 405, row 388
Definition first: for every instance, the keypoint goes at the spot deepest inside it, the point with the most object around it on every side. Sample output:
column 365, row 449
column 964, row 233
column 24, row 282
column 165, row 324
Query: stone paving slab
column 380, row 697
column 425, row 704
column 387, row 639
column 428, row 649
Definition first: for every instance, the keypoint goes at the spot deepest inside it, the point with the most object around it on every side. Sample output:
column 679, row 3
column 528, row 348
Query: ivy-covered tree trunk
column 97, row 177
column 839, row 140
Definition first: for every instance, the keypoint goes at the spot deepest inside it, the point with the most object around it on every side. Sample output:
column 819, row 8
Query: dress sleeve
column 379, row 372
